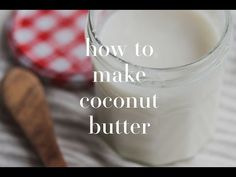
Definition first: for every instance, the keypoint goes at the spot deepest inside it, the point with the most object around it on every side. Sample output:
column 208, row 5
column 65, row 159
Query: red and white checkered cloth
column 52, row 43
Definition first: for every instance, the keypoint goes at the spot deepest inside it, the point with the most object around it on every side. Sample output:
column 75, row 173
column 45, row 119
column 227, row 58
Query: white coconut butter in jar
column 184, row 71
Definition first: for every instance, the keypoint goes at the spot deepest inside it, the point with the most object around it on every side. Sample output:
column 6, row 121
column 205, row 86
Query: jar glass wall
column 188, row 98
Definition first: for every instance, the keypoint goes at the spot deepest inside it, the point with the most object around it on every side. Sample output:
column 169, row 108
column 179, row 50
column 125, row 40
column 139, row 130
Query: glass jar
column 187, row 98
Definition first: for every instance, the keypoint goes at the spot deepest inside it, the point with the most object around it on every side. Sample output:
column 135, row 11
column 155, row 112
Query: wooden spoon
column 24, row 97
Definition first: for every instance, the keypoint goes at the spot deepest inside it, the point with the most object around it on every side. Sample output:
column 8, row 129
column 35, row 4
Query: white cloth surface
column 82, row 149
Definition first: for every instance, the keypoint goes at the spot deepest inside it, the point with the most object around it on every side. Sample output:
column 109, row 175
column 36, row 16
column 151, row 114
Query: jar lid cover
column 52, row 43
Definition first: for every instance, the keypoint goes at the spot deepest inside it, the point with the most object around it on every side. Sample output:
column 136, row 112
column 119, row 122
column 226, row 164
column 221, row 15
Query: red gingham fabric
column 52, row 43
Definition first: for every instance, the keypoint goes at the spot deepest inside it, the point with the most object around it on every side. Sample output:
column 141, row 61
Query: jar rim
column 227, row 26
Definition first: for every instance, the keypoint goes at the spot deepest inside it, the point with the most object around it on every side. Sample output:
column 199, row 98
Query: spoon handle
column 24, row 97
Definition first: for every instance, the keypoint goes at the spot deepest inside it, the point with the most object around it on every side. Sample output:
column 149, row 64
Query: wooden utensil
column 24, row 97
